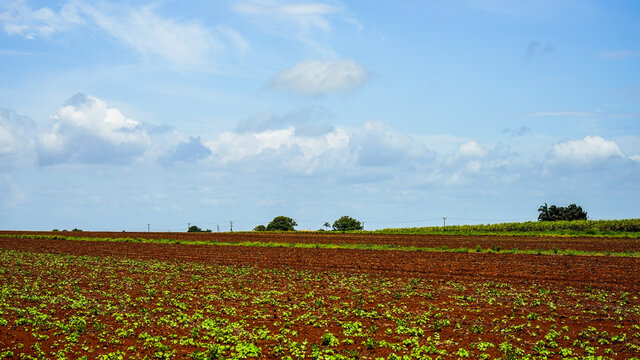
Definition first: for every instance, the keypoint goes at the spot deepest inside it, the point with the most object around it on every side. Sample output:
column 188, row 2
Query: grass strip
column 382, row 247
column 629, row 228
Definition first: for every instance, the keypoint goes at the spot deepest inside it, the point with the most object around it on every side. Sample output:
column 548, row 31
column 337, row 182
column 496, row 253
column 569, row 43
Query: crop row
column 65, row 306
column 361, row 246
column 626, row 227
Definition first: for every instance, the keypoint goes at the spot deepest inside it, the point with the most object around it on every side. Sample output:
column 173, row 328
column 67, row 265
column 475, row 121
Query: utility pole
column 148, row 227
column 444, row 222
column 218, row 227
column 188, row 226
column 231, row 226
column 363, row 225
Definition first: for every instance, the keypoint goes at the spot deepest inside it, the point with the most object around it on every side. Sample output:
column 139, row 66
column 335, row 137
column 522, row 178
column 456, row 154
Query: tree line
column 284, row 223
column 347, row 223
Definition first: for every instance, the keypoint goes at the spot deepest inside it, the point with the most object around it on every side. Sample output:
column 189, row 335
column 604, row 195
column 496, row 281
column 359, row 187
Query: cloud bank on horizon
column 114, row 115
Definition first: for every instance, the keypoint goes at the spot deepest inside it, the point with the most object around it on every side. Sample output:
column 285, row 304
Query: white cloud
column 19, row 19
column 372, row 146
column 591, row 149
column 471, row 149
column 283, row 148
column 320, row 77
column 86, row 130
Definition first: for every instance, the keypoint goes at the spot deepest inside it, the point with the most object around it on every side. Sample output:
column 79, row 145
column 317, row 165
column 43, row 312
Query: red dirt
column 605, row 272
column 594, row 244
column 472, row 272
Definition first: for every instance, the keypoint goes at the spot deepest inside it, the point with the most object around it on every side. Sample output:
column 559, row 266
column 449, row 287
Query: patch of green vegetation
column 118, row 308
column 626, row 228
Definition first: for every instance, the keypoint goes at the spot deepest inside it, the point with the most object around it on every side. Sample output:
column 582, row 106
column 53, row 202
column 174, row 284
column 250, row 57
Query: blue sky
column 115, row 115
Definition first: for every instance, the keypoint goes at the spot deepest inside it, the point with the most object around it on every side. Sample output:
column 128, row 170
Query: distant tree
column 347, row 223
column 558, row 213
column 260, row 228
column 194, row 228
column 76, row 229
column 326, row 225
column 282, row 223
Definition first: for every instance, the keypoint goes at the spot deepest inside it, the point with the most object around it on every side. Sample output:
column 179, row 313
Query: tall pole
column 148, row 227
column 444, row 222
column 231, row 226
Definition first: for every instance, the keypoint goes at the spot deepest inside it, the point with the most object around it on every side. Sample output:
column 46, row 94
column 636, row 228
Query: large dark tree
column 556, row 213
column 282, row 223
column 346, row 223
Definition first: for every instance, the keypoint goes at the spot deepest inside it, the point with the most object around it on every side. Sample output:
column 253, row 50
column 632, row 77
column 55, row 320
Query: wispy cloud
column 583, row 114
column 619, row 55
column 321, row 77
column 179, row 42
column 307, row 16
column 154, row 36
column 309, row 23
column 539, row 9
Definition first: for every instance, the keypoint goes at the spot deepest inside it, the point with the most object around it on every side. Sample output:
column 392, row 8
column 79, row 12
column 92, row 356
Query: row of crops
column 630, row 227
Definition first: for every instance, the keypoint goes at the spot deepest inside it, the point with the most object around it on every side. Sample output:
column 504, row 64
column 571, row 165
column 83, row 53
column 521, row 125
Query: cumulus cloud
column 471, row 149
column 587, row 151
column 372, row 146
column 314, row 77
column 17, row 18
column 279, row 149
column 86, row 130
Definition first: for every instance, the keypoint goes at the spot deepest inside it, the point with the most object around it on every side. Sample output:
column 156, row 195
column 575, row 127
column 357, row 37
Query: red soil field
column 600, row 292
column 593, row 244
column 608, row 272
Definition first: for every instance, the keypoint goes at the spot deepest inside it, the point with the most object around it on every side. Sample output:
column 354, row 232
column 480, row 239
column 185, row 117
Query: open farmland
column 62, row 297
